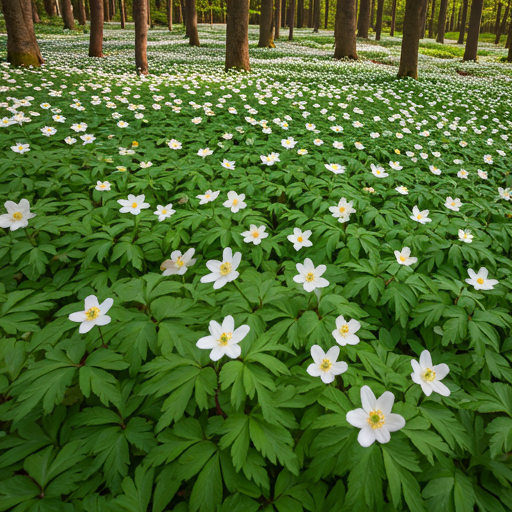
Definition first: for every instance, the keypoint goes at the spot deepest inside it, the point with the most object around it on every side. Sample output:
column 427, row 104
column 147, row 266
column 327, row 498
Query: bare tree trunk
column 363, row 22
column 191, row 18
column 49, row 7
column 503, row 26
column 475, row 17
column 277, row 24
column 122, row 13
column 316, row 16
column 300, row 13
column 57, row 8
column 452, row 17
column 67, row 14
column 35, row 15
column 169, row 15
column 96, row 35
column 106, row 11
column 237, row 35
column 87, row 10
column 498, row 19
column 326, row 21
column 424, row 6
column 378, row 26
column 441, row 21
column 410, row 40
column 112, row 9
column 310, row 14
column 463, row 22
column 431, row 21
column 266, row 39
column 283, row 13
column 82, row 19
column 509, row 40
column 183, row 15
column 393, row 18
column 140, row 18
column 291, row 22
column 345, row 30
column 22, row 47
column 372, row 15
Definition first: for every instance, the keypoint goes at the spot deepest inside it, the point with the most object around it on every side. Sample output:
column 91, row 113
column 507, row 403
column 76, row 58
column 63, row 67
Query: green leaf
column 207, row 491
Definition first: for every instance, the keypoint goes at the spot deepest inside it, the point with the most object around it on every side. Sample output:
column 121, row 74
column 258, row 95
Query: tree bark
column 237, row 35
column 503, row 26
column 96, row 35
column 410, row 40
column 35, row 15
column 106, row 11
column 67, row 14
column 87, row 10
column 372, row 15
column 283, row 13
column 291, row 22
column 277, row 24
column 393, row 18
column 300, row 13
column 266, row 39
column 462, row 31
column 183, row 16
column 475, row 17
column 378, row 25
column 169, row 15
column 326, row 21
column 49, row 7
column 452, row 17
column 191, row 18
column 509, row 40
column 122, row 13
column 345, row 30
column 310, row 14
column 424, row 7
column 22, row 47
column 498, row 19
column 82, row 19
column 316, row 16
column 431, row 21
column 441, row 21
column 140, row 18
column 363, row 22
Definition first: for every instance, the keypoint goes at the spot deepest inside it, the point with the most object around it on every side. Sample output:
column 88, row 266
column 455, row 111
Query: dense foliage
column 133, row 416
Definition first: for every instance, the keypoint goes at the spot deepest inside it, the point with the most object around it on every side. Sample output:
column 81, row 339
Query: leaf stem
column 102, row 339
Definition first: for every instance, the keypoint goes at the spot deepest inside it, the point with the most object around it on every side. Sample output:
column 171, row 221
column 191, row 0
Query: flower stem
column 102, row 339
column 135, row 227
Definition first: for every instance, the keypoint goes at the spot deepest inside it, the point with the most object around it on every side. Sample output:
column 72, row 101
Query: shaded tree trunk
column 140, row 18
column 475, row 17
column 67, row 14
column 310, row 14
column 96, row 35
column 326, row 21
column 441, row 21
column 87, row 10
column 300, row 13
column 283, row 13
column 509, row 41
column 462, row 31
column 378, row 25
column 106, row 11
column 22, row 47
column 316, row 16
column 169, row 15
column 49, row 7
column 393, row 18
column 424, row 7
column 191, row 18
column 503, row 25
column 82, row 19
column 277, row 24
column 35, row 15
column 183, row 16
column 237, row 35
column 431, row 21
column 452, row 17
column 410, row 40
column 498, row 19
column 291, row 22
column 363, row 22
column 266, row 39
column 122, row 13
column 345, row 30
column 372, row 15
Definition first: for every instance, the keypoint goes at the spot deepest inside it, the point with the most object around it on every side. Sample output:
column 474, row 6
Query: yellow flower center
column 134, row 205
column 20, row 147
column 342, row 209
column 376, row 419
column 92, row 313
column 164, row 211
column 325, row 365
column 453, row 203
column 135, row 143
column 402, row 258
column 480, row 280
column 17, row 216
column 224, row 338
column 235, row 202
column 419, row 216
column 300, row 239
column 429, row 375
column 377, row 171
column 228, row 164
column 225, row 269
column 344, row 330
column 310, row 277
column 255, row 234
column 207, row 196
column 180, row 262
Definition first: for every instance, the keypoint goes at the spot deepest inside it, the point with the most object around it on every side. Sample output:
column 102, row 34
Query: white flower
column 374, row 135
column 205, row 152
column 482, row 174
column 337, row 129
column 69, row 140
column 17, row 215
column 343, row 210
column 463, row 174
column 428, row 376
column 255, row 234
column 375, row 419
column 302, row 152
column 178, row 264
column 404, row 257
column 227, row 164
column 300, row 239
column 309, row 276
column 434, row 170
column 122, row 124
column 227, row 136
column 164, row 212
column 504, row 193
column 465, row 236
column 134, row 204
column 146, row 165
column 79, row 127
column 338, row 145
column 235, row 201
column 318, row 142
column 479, row 280
column 488, row 159
column 378, row 171
column 223, row 272
column 20, row 148
column 102, row 186
column 124, row 151
column 345, row 332
column 402, row 190
column 358, row 145
column 174, row 144
column 453, row 204
column 94, row 314
column 270, row 159
column 396, row 166
column 87, row 138
column 196, row 120
column 208, row 196
column 335, row 168
column 420, row 216
column 310, row 126
column 325, row 365
column 48, row 130
column 288, row 143
column 224, row 339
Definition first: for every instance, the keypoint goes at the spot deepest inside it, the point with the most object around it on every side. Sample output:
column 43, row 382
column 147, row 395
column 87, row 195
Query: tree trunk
column 67, row 14
column 106, row 11
column 372, row 15
column 431, row 21
column 423, row 14
column 475, row 17
column 363, row 22
column 503, row 26
column 300, row 13
column 463, row 22
column 393, row 18
column 283, row 13
column 291, row 23
column 410, row 40
column 316, row 16
column 183, row 16
column 87, row 10
column 22, row 47
column 82, row 19
column 158, row 5
column 122, row 13
column 277, row 24
column 150, row 23
column 49, row 7
column 169, row 15
column 498, row 19
column 35, row 16
column 326, row 21
column 140, row 18
column 310, row 14
column 378, row 25
column 191, row 19
column 266, row 39
column 345, row 30
column 441, row 21
column 509, row 40
column 237, row 35
column 96, row 35
column 452, row 17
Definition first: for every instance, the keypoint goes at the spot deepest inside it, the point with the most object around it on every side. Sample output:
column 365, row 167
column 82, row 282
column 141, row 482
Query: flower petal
column 77, row 317
column 217, row 353
column 233, row 351
column 91, row 301
column 317, row 354
column 425, row 360
column 333, row 353
column 382, row 435
column 207, row 342
column 366, row 436
column 394, row 422
column 385, row 402
column 441, row 370
column 105, row 306
column 440, row 388
column 368, row 400
column 357, row 418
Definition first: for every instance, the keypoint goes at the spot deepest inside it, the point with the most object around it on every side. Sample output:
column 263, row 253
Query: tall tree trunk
column 67, row 14
column 122, row 13
column 372, row 15
column 266, row 39
column 378, row 25
column 191, row 18
column 452, row 17
column 316, row 16
column 475, row 17
column 431, row 21
column 498, row 19
column 277, row 24
column 363, row 22
column 423, row 14
column 140, row 18
column 310, row 14
column 106, row 11
column 35, row 15
column 183, row 16
column 49, row 7
column 291, row 22
column 237, row 35
column 82, row 19
column 503, row 26
column 283, row 13
column 111, row 9
column 393, row 18
column 509, row 40
column 300, row 13
column 345, row 30
column 169, row 15
column 441, row 21
column 326, row 21
column 87, row 10
column 22, row 47
column 410, row 40
column 458, row 18
column 463, row 22
column 96, row 35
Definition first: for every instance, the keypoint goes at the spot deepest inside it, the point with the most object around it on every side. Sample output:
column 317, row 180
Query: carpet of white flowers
column 281, row 290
